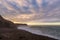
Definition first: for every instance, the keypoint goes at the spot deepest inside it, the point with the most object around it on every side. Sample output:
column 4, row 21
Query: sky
column 31, row 11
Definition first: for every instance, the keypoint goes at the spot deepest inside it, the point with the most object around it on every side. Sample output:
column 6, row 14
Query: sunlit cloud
column 30, row 10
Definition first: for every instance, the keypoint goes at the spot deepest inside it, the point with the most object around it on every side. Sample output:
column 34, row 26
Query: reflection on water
column 46, row 31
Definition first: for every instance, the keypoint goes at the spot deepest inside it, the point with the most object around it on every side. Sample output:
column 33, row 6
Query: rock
column 8, row 31
column 21, row 25
column 5, row 23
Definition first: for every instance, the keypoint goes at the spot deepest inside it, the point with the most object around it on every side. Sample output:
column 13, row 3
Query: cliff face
column 8, row 31
column 5, row 23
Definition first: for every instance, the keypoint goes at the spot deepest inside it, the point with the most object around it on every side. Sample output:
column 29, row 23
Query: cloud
column 31, row 10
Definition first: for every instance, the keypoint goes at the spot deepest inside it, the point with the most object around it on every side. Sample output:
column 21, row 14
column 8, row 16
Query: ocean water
column 52, row 31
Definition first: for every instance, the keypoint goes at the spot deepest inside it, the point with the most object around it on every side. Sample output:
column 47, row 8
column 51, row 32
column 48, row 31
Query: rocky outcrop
column 8, row 31
column 20, row 24
column 5, row 23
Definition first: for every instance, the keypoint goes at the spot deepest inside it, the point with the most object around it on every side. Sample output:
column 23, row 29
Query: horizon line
column 41, row 23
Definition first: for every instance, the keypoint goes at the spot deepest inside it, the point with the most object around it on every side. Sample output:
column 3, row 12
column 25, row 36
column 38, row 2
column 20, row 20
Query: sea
column 50, row 31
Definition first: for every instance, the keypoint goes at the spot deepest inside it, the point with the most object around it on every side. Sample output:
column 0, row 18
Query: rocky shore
column 8, row 31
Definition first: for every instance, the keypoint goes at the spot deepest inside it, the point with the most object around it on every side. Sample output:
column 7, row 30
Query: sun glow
column 42, row 23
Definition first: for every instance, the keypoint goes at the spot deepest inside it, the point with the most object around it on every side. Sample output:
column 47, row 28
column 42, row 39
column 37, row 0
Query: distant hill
column 20, row 24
